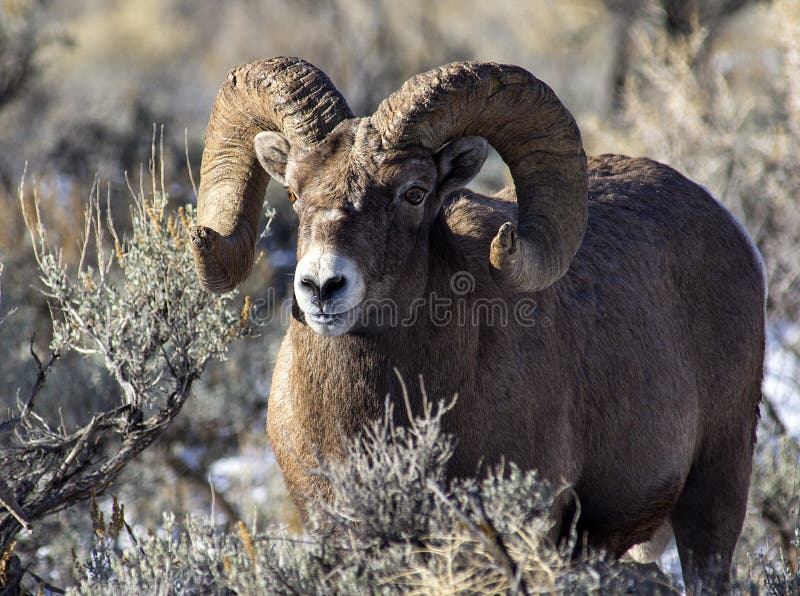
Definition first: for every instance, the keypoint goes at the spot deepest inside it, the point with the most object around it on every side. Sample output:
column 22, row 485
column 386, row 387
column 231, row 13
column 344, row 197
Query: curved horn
column 287, row 95
column 535, row 135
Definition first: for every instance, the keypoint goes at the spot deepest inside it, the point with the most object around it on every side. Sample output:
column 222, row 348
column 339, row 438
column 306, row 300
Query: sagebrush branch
column 154, row 331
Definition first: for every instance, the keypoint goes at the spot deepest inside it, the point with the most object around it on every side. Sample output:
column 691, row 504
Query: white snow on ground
column 782, row 375
column 670, row 563
column 252, row 480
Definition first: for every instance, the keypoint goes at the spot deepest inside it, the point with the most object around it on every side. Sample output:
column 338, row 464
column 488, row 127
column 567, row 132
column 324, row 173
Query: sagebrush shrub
column 395, row 525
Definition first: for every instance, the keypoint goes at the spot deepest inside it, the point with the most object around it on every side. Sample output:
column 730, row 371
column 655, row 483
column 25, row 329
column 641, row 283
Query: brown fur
column 638, row 385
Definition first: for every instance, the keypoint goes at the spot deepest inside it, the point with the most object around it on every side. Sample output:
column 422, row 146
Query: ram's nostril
column 310, row 284
column 333, row 285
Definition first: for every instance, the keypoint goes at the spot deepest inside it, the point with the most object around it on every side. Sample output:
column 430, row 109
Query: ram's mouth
column 331, row 324
column 325, row 318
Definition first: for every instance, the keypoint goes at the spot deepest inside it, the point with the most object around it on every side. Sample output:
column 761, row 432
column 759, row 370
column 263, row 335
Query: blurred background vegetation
column 711, row 87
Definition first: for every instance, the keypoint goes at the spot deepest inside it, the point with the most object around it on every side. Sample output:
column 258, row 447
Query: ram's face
column 365, row 217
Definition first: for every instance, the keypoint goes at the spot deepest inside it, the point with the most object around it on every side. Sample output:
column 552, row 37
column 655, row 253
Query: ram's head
column 368, row 191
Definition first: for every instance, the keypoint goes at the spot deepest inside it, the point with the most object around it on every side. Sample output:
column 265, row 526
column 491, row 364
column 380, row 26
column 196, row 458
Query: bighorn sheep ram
column 637, row 383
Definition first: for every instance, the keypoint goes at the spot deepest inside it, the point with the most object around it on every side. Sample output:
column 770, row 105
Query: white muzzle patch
column 329, row 288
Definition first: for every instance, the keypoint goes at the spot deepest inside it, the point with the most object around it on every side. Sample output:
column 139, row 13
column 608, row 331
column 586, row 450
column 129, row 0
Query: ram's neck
column 337, row 383
column 340, row 383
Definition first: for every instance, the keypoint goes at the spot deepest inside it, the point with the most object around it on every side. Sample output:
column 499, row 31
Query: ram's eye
column 292, row 197
column 414, row 195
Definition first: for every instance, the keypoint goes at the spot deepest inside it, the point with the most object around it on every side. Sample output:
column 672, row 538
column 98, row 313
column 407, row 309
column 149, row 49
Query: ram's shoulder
column 475, row 216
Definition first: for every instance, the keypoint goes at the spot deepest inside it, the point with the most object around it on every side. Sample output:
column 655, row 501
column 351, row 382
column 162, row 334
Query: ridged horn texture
column 287, row 95
column 535, row 135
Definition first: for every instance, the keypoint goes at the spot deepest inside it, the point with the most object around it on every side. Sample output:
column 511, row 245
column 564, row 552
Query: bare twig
column 196, row 477
column 774, row 416
column 188, row 162
column 8, row 501
column 77, row 449
column 41, row 375
column 43, row 584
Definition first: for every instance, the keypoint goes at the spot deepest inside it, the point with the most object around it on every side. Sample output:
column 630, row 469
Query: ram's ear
column 272, row 150
column 459, row 162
